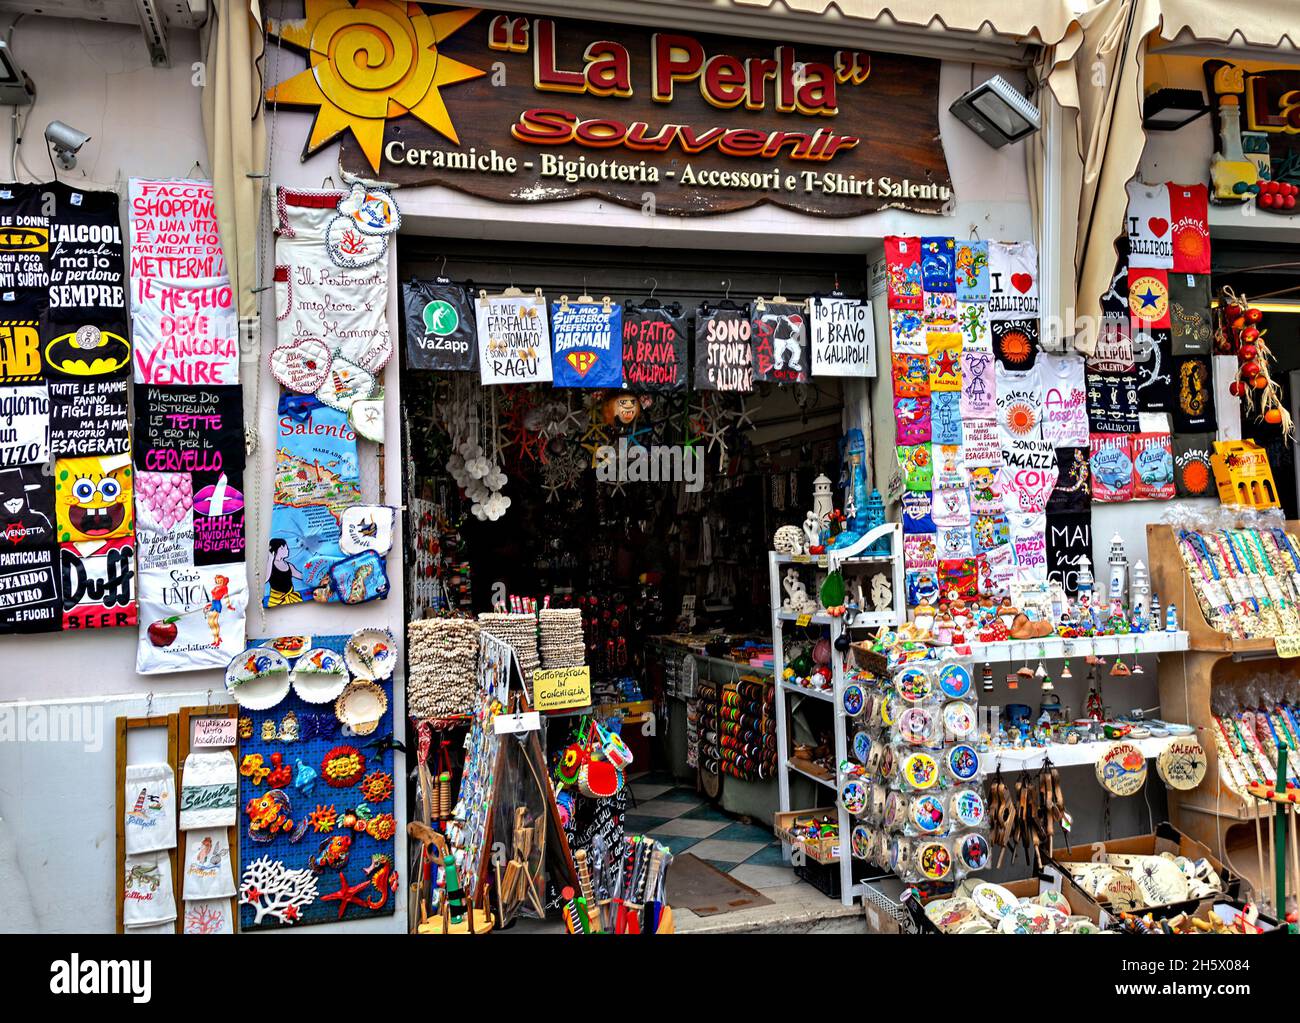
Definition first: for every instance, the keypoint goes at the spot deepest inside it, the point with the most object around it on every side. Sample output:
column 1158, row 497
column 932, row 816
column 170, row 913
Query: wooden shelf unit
column 1211, row 813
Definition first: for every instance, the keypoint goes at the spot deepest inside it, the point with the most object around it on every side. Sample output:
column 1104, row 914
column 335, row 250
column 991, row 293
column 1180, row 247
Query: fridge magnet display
column 587, row 343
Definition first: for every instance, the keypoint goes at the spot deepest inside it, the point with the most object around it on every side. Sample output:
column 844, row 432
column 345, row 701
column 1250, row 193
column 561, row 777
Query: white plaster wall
column 56, row 799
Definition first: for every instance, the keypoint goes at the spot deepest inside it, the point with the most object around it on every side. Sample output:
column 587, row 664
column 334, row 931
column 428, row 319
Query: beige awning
column 1264, row 23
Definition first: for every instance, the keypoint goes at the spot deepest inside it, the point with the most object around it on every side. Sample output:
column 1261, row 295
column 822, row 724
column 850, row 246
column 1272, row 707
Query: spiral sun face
column 367, row 64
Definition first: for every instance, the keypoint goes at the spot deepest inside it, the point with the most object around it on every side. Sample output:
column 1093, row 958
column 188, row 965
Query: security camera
column 65, row 140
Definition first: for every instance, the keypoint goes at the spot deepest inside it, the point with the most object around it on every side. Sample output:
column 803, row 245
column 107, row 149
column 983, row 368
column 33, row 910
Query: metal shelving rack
column 837, row 559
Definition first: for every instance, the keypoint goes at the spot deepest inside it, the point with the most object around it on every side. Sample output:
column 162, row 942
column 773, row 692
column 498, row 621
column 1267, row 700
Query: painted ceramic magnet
column 343, row 766
column 367, row 417
column 319, row 676
column 371, row 654
column 301, row 366
column 361, row 706
column 345, row 383
column 954, row 681
column 258, row 678
column 360, row 578
column 367, row 527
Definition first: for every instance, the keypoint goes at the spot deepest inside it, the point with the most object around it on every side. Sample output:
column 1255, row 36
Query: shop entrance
column 670, row 573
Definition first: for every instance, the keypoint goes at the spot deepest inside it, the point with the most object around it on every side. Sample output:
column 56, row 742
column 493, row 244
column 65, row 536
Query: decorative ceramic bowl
column 371, row 654
column 319, row 676
column 258, row 678
column 361, row 706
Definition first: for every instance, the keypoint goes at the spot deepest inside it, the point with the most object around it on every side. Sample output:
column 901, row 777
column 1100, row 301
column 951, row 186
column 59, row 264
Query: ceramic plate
column 290, row 646
column 993, row 900
column 258, row 678
column 360, row 706
column 371, row 654
column 319, row 676
column 1159, row 881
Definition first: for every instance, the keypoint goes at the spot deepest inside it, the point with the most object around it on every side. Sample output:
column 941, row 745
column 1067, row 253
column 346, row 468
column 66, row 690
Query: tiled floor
column 683, row 820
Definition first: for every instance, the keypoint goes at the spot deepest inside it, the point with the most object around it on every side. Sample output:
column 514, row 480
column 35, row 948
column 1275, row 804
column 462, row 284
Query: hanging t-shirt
column 654, row 349
column 1073, row 490
column 842, row 335
column 1027, row 476
column 1153, row 466
column 981, row 442
column 1029, row 538
column 1065, row 404
column 1190, row 226
column 1015, row 343
column 917, row 517
column 587, row 344
column 938, row 258
column 945, row 360
column 25, row 253
column 1111, row 465
column 949, row 469
column 912, row 419
column 1069, row 541
column 87, row 257
column 1191, row 327
column 951, row 508
column 945, row 417
column 1193, row 474
column 911, row 375
column 906, row 332
column 1150, row 240
column 1114, row 302
column 989, row 530
column 1019, row 403
column 1112, row 403
column 973, row 321
column 1193, row 395
column 185, row 332
column 972, row 268
column 917, row 466
column 1114, row 352
column 903, row 272
column 1155, row 372
column 724, row 350
column 921, row 551
column 514, row 339
column 1148, row 297
column 1013, row 280
column 780, row 332
column 978, row 384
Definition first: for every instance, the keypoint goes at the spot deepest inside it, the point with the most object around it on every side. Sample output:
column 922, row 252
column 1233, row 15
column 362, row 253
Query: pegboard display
column 317, row 817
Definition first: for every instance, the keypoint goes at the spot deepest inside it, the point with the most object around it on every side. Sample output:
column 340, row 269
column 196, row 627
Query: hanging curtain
column 235, row 131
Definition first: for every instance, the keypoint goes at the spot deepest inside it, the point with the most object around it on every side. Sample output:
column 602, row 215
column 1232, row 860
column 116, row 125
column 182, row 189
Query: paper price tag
column 1287, row 646
column 803, row 620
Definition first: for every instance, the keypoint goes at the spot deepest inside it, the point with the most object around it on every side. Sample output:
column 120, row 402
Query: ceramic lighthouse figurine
column 1118, row 562
column 1139, row 592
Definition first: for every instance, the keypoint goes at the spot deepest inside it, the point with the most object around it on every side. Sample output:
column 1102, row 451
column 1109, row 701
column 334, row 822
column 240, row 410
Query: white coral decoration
column 496, row 479
column 271, row 888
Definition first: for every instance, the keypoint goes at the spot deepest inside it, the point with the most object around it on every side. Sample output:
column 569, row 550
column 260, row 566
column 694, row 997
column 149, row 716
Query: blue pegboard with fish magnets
column 317, row 825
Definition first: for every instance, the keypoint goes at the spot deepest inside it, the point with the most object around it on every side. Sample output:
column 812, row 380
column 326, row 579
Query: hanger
column 442, row 277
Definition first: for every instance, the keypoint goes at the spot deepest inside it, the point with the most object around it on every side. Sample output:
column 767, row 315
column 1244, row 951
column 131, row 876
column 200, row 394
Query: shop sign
column 561, row 688
column 520, row 109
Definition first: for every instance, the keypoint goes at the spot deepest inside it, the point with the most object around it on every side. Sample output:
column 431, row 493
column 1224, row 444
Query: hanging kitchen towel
column 1013, row 280
column 324, row 291
column 903, row 272
column 150, row 808
column 209, row 788
column 1111, row 465
column 1190, row 226
column 208, row 916
column 1150, row 242
column 1189, row 313
column 1153, row 466
column 147, row 894
column 938, row 264
column 972, row 268
column 207, row 871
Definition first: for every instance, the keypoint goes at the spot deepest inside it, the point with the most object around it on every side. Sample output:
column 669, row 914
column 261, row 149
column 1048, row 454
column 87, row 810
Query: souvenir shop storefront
column 629, row 480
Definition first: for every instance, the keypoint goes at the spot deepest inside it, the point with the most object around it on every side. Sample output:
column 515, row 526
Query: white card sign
column 514, row 339
column 843, row 332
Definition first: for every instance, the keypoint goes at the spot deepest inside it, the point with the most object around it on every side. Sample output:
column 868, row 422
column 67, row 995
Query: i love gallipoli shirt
column 1190, row 224
column 1150, row 238
column 1013, row 280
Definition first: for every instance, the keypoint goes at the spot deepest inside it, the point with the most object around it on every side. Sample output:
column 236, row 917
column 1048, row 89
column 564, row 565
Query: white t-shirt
column 1065, row 400
column 1150, row 233
column 1013, row 281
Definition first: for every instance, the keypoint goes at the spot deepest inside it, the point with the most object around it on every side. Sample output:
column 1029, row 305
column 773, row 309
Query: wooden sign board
column 524, row 110
column 561, row 688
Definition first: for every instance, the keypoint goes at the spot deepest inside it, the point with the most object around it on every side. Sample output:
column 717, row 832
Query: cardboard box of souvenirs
column 1029, row 888
column 1166, row 839
column 819, row 850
